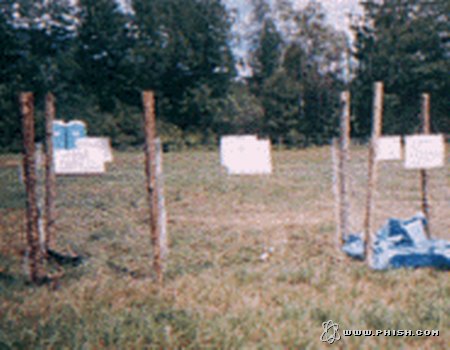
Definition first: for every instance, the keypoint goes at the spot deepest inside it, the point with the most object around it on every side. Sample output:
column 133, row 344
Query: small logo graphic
column 330, row 332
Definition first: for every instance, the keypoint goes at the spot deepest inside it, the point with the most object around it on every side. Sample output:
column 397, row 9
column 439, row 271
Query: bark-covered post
column 372, row 171
column 34, row 254
column 426, row 129
column 344, row 143
column 151, row 183
column 50, row 177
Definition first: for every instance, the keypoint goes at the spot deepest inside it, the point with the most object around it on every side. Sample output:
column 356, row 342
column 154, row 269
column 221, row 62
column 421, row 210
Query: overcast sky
column 337, row 12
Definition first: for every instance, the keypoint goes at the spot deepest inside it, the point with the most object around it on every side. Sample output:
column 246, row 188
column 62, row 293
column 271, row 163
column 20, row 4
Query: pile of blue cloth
column 402, row 243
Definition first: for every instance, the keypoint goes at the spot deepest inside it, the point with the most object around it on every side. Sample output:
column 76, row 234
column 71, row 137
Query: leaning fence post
column 50, row 177
column 372, row 171
column 151, row 183
column 34, row 255
column 343, row 149
column 425, row 116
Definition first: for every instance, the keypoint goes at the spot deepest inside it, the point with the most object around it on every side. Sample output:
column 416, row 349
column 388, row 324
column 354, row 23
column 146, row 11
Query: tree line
column 97, row 56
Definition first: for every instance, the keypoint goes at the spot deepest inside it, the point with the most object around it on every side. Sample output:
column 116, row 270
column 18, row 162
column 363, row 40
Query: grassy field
column 218, row 293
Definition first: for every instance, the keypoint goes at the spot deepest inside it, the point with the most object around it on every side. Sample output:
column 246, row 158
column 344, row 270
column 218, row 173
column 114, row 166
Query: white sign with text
column 424, row 151
column 99, row 146
column 78, row 162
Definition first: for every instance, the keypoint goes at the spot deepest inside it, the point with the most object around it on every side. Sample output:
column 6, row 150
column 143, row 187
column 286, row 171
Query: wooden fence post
column 50, row 177
column 343, row 149
column 372, row 171
column 162, row 216
column 151, row 183
column 40, row 196
column 34, row 254
column 426, row 129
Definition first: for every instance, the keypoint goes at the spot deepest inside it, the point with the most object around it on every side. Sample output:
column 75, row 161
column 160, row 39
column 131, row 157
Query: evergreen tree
column 267, row 55
column 9, row 56
column 302, row 52
column 102, row 51
column 183, row 51
column 241, row 112
column 281, row 103
column 403, row 43
column 35, row 36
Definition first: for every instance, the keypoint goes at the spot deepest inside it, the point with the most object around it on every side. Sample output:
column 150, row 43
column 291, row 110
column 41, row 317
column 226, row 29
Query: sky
column 337, row 12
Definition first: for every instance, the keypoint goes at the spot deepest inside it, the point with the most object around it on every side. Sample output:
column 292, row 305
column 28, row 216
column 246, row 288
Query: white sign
column 246, row 155
column 388, row 148
column 424, row 151
column 229, row 147
column 78, row 162
column 99, row 146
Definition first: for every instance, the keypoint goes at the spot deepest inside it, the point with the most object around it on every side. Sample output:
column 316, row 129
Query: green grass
column 218, row 293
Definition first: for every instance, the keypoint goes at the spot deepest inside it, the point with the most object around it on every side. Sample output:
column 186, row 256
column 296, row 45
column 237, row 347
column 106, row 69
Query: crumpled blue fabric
column 401, row 243
column 354, row 246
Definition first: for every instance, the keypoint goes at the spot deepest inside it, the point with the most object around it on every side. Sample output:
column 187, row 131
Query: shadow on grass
column 12, row 191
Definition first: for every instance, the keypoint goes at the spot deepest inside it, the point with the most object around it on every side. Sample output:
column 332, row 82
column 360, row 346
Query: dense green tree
column 241, row 112
column 35, row 36
column 183, row 51
column 267, row 55
column 9, row 56
column 281, row 102
column 102, row 51
column 97, row 56
column 298, row 50
column 324, row 47
column 403, row 43
column 9, row 48
column 42, row 31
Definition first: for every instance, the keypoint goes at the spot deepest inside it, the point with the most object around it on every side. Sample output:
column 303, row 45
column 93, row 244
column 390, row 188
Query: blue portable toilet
column 59, row 134
column 75, row 129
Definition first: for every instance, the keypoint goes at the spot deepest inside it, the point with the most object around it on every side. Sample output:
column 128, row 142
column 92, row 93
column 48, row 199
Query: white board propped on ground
column 230, row 146
column 424, row 151
column 99, row 146
column 78, row 162
column 246, row 155
column 388, row 148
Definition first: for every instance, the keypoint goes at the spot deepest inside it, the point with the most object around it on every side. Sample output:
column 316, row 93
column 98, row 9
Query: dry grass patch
column 219, row 293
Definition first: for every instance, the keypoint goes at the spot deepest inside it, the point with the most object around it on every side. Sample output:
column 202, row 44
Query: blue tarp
column 402, row 243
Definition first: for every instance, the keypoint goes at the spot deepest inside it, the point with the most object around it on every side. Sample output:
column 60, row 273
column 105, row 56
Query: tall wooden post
column 50, row 177
column 40, row 195
column 336, row 191
column 151, row 183
column 34, row 256
column 426, row 129
column 344, row 143
column 162, row 216
column 372, row 171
